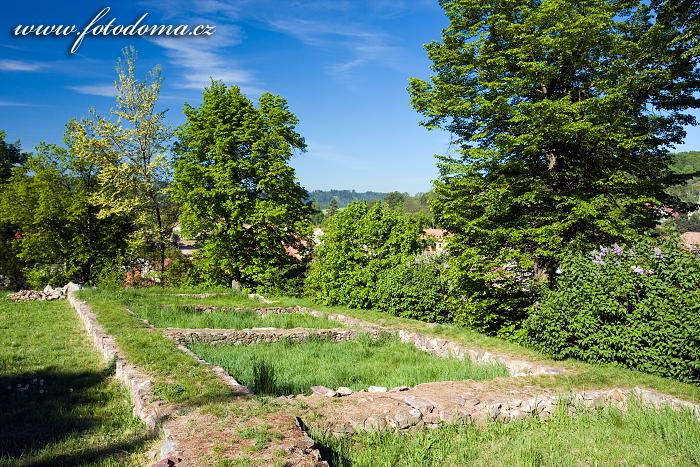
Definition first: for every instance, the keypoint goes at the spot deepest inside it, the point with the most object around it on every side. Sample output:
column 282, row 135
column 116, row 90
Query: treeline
column 416, row 207
column 105, row 204
column 343, row 197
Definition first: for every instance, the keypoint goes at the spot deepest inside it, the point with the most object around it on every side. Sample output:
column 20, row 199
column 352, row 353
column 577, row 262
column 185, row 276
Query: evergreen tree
column 564, row 112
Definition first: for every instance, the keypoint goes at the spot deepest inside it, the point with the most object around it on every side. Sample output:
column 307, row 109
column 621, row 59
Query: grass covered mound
column 59, row 404
column 185, row 316
column 283, row 368
column 608, row 436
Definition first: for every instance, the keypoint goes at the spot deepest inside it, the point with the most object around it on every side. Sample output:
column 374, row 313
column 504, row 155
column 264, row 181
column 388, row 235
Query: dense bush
column 638, row 307
column 359, row 245
column 416, row 289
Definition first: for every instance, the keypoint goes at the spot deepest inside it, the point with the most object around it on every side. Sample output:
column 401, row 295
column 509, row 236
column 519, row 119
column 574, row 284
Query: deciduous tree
column 239, row 195
column 130, row 149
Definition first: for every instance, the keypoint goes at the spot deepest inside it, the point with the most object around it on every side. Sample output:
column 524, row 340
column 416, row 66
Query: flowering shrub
column 638, row 307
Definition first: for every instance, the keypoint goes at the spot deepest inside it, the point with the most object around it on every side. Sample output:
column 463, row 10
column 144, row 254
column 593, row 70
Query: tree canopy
column 130, row 148
column 239, row 195
column 564, row 113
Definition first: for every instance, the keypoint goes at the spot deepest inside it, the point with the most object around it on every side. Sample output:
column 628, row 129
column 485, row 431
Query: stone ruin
column 49, row 293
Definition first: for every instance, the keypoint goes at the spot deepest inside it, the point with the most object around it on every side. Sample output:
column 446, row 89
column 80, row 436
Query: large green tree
column 130, row 148
column 58, row 234
column 238, row 193
column 564, row 113
column 11, row 156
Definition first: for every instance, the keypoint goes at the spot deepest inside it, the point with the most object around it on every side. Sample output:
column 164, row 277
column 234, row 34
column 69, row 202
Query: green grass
column 595, row 437
column 579, row 375
column 174, row 297
column 184, row 316
column 357, row 364
column 177, row 377
column 59, row 403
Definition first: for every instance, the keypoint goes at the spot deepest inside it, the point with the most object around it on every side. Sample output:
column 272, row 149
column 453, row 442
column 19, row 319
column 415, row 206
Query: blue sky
column 342, row 65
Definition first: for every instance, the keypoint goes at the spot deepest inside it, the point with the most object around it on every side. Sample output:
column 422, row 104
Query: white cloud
column 359, row 45
column 201, row 60
column 328, row 154
column 15, row 104
column 18, row 65
column 105, row 90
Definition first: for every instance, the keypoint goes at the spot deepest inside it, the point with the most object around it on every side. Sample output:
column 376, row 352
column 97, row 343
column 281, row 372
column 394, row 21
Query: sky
column 342, row 65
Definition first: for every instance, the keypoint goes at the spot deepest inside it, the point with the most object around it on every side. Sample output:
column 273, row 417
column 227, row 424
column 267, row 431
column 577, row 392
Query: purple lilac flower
column 604, row 250
column 638, row 269
column 618, row 249
column 598, row 261
column 657, row 253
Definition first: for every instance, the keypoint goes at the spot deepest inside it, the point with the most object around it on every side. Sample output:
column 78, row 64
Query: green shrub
column 416, row 289
column 638, row 307
column 359, row 244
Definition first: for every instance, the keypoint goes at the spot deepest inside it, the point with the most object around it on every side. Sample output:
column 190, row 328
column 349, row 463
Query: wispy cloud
column 201, row 59
column 356, row 45
column 330, row 155
column 105, row 90
column 18, row 65
column 16, row 104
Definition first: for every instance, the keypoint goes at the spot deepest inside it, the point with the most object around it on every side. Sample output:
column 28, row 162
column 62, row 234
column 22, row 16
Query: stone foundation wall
column 446, row 348
column 258, row 335
column 140, row 386
column 431, row 404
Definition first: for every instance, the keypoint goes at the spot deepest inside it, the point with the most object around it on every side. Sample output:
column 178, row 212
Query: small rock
column 321, row 390
column 375, row 423
column 420, row 404
column 376, row 389
column 399, row 389
column 405, row 419
column 616, row 395
column 343, row 391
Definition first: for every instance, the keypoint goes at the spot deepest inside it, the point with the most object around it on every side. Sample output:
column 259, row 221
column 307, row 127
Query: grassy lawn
column 602, row 437
column 356, row 364
column 185, row 297
column 177, row 377
column 579, row 375
column 59, row 404
column 596, row 437
column 185, row 316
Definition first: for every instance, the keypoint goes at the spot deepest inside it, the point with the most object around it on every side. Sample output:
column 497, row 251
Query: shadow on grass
column 328, row 446
column 46, row 407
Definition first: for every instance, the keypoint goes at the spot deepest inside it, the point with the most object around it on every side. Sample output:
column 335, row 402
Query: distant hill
column 343, row 197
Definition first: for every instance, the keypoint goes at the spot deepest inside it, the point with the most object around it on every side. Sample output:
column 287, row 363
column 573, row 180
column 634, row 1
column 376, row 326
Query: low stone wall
column 431, row 404
column 258, row 335
column 446, row 348
column 140, row 386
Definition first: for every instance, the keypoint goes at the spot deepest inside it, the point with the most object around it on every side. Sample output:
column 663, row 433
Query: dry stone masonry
column 258, row 335
column 430, row 404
